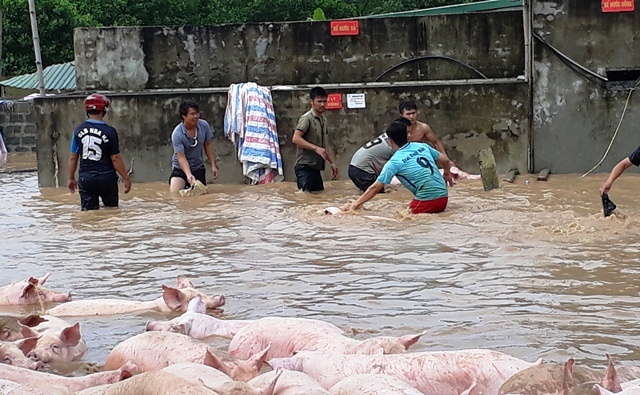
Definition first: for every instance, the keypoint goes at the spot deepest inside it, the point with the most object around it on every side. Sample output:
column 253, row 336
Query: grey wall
column 19, row 126
column 574, row 118
column 137, row 58
column 467, row 117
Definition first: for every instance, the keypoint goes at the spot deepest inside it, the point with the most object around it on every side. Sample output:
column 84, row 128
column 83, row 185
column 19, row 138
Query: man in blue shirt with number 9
column 95, row 145
column 416, row 166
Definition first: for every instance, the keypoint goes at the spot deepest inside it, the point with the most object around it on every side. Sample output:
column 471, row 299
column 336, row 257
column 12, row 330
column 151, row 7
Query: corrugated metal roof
column 479, row 6
column 56, row 77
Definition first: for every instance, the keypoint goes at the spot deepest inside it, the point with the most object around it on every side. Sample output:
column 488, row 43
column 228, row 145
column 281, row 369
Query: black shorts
column 361, row 178
column 308, row 179
column 92, row 189
column 200, row 175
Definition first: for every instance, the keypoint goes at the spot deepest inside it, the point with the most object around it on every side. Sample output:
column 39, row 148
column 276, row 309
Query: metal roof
column 478, row 6
column 56, row 77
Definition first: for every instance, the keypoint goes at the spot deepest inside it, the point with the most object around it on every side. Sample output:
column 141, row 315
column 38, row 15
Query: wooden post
column 488, row 170
column 36, row 45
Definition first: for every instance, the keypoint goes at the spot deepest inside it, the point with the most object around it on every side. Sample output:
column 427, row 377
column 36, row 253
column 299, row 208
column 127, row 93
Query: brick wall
column 18, row 121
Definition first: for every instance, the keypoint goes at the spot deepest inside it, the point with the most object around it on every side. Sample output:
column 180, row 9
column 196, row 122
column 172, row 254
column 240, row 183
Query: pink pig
column 173, row 299
column 288, row 335
column 467, row 372
column 29, row 292
column 40, row 379
column 291, row 383
column 12, row 388
column 153, row 351
column 373, row 384
column 156, row 383
column 197, row 324
column 14, row 354
column 57, row 341
column 10, row 327
column 220, row 382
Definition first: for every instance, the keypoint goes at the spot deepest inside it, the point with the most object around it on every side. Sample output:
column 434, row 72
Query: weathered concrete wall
column 574, row 117
column 19, row 126
column 466, row 117
column 136, row 58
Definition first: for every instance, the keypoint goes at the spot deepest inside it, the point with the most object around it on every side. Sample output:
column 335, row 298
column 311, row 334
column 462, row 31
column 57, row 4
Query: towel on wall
column 250, row 124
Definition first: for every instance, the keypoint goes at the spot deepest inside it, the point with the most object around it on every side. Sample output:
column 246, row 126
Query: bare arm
column 118, row 164
column 615, row 173
column 184, row 165
column 433, row 139
column 444, row 162
column 367, row 195
column 208, row 149
column 73, row 165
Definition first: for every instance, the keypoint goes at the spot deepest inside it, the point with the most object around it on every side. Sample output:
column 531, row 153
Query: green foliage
column 58, row 18
column 318, row 15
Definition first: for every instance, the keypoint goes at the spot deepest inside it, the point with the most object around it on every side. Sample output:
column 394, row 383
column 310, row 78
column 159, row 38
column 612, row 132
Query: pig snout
column 216, row 301
column 39, row 366
column 61, row 297
column 150, row 326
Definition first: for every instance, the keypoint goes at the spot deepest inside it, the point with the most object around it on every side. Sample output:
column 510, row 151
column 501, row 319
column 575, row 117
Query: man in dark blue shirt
column 95, row 144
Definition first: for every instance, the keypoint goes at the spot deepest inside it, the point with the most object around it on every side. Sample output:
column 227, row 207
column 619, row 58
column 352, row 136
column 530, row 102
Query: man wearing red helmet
column 95, row 145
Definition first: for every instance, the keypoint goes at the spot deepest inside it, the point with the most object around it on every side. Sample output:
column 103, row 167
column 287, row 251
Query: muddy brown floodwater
column 534, row 270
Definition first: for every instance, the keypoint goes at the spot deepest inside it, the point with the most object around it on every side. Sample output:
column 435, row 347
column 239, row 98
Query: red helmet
column 96, row 101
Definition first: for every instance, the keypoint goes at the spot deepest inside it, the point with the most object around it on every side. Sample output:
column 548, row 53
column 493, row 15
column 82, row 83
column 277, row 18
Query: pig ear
column 26, row 345
column 269, row 388
column 174, row 298
column 567, row 377
column 182, row 329
column 196, row 305
column 28, row 288
column 184, row 282
column 610, row 380
column 127, row 370
column 32, row 320
column 25, row 331
column 43, row 279
column 215, row 362
column 71, row 335
column 409, row 340
column 259, row 359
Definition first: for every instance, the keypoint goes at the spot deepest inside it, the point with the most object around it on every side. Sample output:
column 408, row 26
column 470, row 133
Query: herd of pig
column 306, row 357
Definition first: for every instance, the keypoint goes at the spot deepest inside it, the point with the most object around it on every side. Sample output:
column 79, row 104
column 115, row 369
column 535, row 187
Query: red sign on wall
column 345, row 28
column 618, row 5
column 334, row 101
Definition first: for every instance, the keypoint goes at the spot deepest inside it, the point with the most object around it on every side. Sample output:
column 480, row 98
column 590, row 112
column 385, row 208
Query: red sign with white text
column 345, row 28
column 618, row 5
column 334, row 101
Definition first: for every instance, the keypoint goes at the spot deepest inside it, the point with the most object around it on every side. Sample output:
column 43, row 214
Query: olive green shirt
column 315, row 132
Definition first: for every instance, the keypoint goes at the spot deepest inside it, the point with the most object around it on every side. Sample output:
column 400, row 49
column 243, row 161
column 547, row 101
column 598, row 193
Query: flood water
column 534, row 270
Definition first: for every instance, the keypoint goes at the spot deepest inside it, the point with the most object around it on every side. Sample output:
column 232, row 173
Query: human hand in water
column 448, row 178
column 605, row 188
column 191, row 179
column 72, row 185
column 214, row 171
column 334, row 171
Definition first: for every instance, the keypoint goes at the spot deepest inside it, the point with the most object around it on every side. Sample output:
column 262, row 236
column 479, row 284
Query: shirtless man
column 419, row 131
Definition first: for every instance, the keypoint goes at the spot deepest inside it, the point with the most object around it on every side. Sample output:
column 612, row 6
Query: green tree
column 56, row 21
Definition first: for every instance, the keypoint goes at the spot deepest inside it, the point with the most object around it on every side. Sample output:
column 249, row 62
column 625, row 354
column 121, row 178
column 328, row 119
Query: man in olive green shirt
column 310, row 137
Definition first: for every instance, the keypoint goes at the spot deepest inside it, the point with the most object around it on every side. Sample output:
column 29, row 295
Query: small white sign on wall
column 356, row 100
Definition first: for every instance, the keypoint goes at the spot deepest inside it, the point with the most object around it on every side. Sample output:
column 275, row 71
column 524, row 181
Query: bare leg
column 176, row 184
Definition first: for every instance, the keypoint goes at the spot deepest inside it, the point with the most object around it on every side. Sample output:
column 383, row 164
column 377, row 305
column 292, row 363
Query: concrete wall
column 137, row 58
column 574, row 117
column 19, row 126
column 467, row 117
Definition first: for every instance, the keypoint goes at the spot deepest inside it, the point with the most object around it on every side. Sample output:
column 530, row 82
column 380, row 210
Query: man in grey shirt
column 191, row 139
column 368, row 161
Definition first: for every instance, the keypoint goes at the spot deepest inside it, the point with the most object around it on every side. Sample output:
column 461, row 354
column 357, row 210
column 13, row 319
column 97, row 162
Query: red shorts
column 428, row 206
